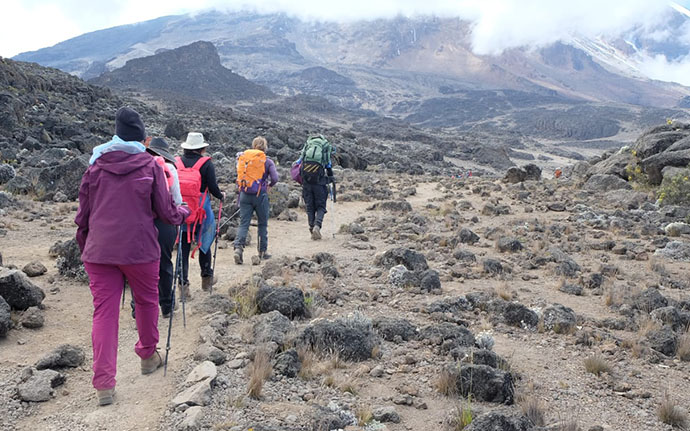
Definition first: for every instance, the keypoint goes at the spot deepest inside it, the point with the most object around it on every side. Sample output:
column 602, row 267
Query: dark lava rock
column 649, row 300
column 5, row 317
column 287, row 300
column 394, row 206
column 430, row 281
column 663, row 340
column 38, row 385
column 395, row 329
column 288, row 364
column 484, row 383
column 518, row 315
column 500, row 421
column 559, row 319
column 32, row 318
column 412, row 260
column 272, row 327
column 475, row 356
column 571, row 289
column 64, row 356
column 605, row 183
column 69, row 262
column 18, row 291
column 448, row 335
column 352, row 338
column 466, row 236
column 492, row 266
column 509, row 245
column 450, row 305
column 556, row 206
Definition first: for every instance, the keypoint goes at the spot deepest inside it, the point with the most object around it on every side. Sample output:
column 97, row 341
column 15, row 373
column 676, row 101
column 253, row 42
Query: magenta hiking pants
column 106, row 283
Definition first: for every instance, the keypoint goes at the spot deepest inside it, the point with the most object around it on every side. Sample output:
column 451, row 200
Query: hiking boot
column 238, row 256
column 208, row 282
column 105, row 396
column 264, row 256
column 151, row 364
column 316, row 233
column 184, row 291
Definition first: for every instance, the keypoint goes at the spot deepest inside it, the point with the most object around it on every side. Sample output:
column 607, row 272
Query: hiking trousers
column 106, row 284
column 250, row 204
column 315, row 198
column 167, row 234
column 204, row 259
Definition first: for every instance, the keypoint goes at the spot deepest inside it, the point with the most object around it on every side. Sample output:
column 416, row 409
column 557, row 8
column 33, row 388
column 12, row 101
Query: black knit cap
column 128, row 125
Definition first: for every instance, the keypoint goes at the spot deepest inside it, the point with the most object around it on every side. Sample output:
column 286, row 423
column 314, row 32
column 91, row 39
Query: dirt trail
column 140, row 400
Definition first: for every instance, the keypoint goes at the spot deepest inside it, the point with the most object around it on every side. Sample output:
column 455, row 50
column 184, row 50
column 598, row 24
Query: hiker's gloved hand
column 331, row 179
column 184, row 208
column 223, row 198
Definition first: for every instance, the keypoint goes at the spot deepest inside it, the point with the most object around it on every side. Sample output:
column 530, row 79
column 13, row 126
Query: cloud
column 659, row 67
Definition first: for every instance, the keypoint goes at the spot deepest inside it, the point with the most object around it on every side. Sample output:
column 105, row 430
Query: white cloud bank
column 498, row 24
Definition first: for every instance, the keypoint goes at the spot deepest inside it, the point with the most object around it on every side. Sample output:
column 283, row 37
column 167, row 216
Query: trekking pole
column 228, row 219
column 183, row 299
column 124, row 293
column 215, row 247
column 331, row 191
column 172, row 303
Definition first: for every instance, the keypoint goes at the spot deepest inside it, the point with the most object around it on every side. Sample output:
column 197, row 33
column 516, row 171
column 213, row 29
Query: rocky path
column 141, row 401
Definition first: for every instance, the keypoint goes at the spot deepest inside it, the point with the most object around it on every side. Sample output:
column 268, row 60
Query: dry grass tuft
column 672, row 414
column 259, row 371
column 329, row 381
column 318, row 282
column 307, row 358
column 534, row 409
column 647, row 325
column 597, row 365
column 244, row 298
column 504, row 292
column 684, row 347
column 364, row 415
column 447, row 382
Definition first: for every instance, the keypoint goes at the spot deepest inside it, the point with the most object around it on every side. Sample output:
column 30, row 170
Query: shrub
column 672, row 414
column 675, row 191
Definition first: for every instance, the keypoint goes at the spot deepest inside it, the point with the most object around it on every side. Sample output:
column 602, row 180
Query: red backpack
column 168, row 175
column 190, row 189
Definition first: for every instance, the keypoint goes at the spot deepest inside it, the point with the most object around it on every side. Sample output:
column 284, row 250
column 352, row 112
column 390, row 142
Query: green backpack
column 315, row 156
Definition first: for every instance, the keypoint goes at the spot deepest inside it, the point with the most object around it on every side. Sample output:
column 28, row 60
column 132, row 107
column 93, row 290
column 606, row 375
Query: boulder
column 448, row 335
column 32, row 318
column 649, row 300
column 6, row 173
column 515, row 175
column 615, row 165
column 675, row 250
column 401, row 277
column 69, row 262
column 64, row 356
column 352, row 338
column 193, row 417
column 215, row 303
column 5, row 317
column 559, row 319
column 492, row 266
column 532, row 171
column 466, row 236
column 197, row 395
column 279, row 196
column 18, row 291
column 412, row 260
column 395, row 329
column 518, row 315
column 34, row 269
column 484, row 383
column 209, row 352
column 500, row 420
column 605, row 183
column 64, row 177
column 38, row 385
column 677, row 229
column 663, row 340
column 430, row 281
column 386, row 414
column 650, row 144
column 204, row 371
column 287, row 300
column 653, row 166
column 506, row 244
column 287, row 364
column 272, row 327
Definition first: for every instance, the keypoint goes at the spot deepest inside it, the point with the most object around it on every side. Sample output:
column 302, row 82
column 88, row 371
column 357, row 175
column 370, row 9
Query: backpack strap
column 178, row 163
column 199, row 163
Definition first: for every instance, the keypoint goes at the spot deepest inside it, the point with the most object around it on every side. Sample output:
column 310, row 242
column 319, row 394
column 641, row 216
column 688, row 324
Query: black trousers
column 315, row 198
column 204, row 259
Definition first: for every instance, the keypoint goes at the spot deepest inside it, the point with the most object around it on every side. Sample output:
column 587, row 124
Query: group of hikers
column 138, row 202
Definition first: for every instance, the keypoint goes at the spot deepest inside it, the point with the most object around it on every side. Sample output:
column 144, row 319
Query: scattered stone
column 38, row 385
column 34, row 269
column 197, row 395
column 556, row 206
column 649, row 300
column 571, row 289
column 287, row 300
column 203, row 371
column 606, row 183
column 64, row 356
column 209, row 352
column 663, row 340
column 412, row 260
column 484, row 383
column 18, row 291
column 192, row 417
column 509, row 245
column 32, row 318
column 500, row 420
column 466, row 236
column 677, row 229
column 215, row 303
column 392, row 206
column 559, row 319
column 402, row 278
column 518, row 315
column 492, row 266
column 675, row 250
column 68, row 261
column 430, row 281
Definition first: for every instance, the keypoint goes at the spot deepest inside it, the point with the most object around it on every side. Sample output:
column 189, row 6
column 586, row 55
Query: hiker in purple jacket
column 122, row 192
column 255, row 199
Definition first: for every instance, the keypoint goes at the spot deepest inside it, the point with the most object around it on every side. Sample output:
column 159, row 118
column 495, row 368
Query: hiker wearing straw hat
column 197, row 180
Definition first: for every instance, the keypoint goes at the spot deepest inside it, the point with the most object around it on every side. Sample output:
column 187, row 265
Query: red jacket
column 120, row 196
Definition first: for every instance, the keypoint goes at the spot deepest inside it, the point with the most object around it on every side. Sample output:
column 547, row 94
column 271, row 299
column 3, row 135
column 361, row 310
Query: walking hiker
column 316, row 172
column 197, row 177
column 167, row 233
column 256, row 174
column 121, row 193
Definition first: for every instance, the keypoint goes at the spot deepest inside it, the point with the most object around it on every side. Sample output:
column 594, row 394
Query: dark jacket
column 207, row 171
column 120, row 196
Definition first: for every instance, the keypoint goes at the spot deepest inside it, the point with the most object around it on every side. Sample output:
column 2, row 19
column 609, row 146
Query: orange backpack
column 190, row 189
column 251, row 167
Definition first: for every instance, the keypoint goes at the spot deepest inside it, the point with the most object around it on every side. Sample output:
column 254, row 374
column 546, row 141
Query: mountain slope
column 193, row 71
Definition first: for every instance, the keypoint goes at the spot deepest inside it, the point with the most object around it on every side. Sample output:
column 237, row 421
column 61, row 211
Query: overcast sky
column 500, row 24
